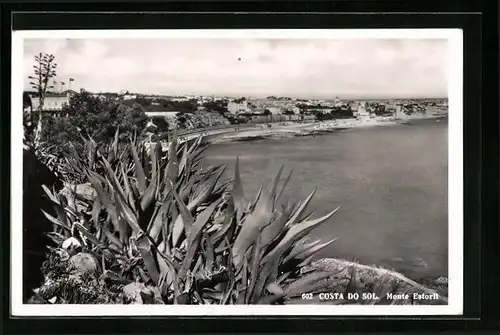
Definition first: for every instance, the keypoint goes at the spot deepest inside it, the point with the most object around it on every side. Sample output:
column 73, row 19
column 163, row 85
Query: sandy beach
column 291, row 129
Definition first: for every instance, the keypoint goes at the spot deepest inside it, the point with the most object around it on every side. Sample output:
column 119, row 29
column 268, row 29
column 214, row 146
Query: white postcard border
column 455, row 178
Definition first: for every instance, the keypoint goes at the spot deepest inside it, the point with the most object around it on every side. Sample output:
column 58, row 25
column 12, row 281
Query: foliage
column 272, row 97
column 70, row 161
column 266, row 112
column 343, row 112
column 44, row 70
column 94, row 117
column 161, row 123
column 62, row 285
column 178, row 106
column 28, row 121
column 218, row 106
column 52, row 157
column 240, row 100
column 182, row 120
column 162, row 219
column 323, row 117
column 144, row 102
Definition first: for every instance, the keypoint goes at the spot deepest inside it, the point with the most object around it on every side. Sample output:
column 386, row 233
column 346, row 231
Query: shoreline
column 285, row 130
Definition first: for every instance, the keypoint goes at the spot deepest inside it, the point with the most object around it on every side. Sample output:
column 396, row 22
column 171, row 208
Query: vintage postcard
column 237, row 172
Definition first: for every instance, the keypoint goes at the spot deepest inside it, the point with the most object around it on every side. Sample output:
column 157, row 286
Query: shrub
column 161, row 123
column 90, row 116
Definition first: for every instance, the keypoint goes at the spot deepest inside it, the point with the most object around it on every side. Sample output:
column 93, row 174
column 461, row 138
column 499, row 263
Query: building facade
column 53, row 102
column 362, row 111
column 276, row 110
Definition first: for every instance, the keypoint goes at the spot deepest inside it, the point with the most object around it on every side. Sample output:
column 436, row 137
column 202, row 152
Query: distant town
column 209, row 111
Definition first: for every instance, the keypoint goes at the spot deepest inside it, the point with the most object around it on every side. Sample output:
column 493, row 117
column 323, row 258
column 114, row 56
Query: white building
column 276, row 110
column 129, row 96
column 180, row 99
column 235, row 107
column 53, row 101
column 337, row 102
column 362, row 111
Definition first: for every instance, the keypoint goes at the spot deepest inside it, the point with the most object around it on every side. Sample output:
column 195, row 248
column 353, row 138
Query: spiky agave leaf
column 261, row 216
column 51, row 195
column 193, row 237
column 269, row 270
column 274, row 229
column 158, row 220
column 129, row 194
column 105, row 198
column 300, row 247
column 307, row 250
column 300, row 209
column 146, row 250
column 250, row 230
column 149, row 194
column 237, row 192
column 96, row 210
column 296, row 232
column 112, row 179
column 139, row 170
column 257, row 255
column 205, row 189
column 283, row 186
column 114, row 146
column 172, row 169
column 184, row 221
column 183, row 168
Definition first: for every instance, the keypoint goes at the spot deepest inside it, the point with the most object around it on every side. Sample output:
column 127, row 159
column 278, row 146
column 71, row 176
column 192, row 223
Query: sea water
column 390, row 181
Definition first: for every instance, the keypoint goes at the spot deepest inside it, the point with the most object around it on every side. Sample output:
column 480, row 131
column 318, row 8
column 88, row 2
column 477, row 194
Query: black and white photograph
column 287, row 172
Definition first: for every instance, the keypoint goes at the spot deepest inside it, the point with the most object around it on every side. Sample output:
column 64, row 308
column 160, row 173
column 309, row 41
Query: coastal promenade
column 290, row 129
column 238, row 129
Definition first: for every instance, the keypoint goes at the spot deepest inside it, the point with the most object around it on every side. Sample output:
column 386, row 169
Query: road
column 205, row 132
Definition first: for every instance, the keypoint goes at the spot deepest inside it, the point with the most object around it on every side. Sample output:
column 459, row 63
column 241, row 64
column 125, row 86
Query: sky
column 305, row 68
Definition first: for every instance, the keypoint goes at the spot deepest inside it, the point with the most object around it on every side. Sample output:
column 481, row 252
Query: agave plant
column 49, row 156
column 78, row 159
column 163, row 219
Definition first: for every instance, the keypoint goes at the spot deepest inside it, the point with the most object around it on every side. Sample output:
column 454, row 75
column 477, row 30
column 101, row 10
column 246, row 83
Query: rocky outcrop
column 35, row 224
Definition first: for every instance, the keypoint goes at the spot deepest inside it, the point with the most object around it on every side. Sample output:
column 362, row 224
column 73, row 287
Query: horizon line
column 295, row 97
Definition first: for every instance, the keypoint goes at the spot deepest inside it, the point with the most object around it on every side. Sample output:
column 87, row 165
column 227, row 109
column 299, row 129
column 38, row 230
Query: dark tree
column 27, row 114
column 97, row 118
column 44, row 70
column 181, row 120
column 161, row 123
column 216, row 106
column 240, row 100
column 143, row 101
